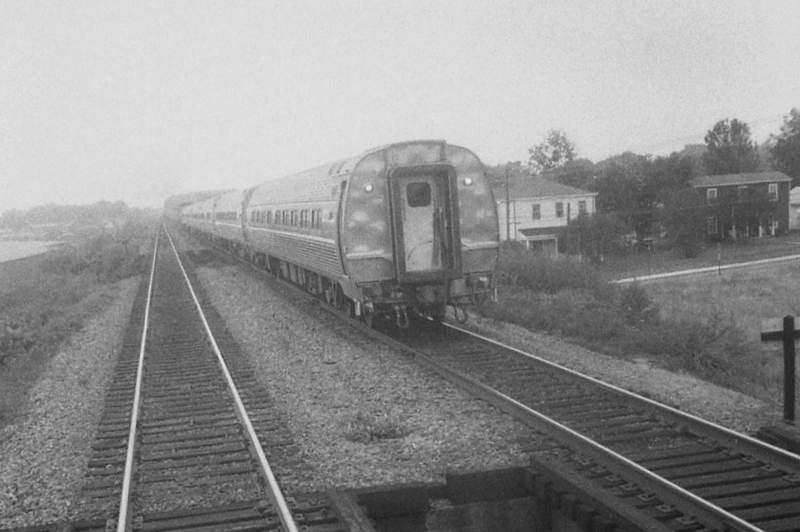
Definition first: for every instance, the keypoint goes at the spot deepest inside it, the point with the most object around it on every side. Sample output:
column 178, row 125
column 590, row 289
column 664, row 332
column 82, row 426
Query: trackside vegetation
column 573, row 299
column 44, row 299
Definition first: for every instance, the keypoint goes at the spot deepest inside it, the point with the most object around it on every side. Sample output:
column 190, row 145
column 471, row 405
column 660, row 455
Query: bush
column 521, row 267
column 102, row 255
column 637, row 306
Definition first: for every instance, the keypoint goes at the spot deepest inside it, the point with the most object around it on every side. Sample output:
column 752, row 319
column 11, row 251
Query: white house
column 794, row 208
column 538, row 209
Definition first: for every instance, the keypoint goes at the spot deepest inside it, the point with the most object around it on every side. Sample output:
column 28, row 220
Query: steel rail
column 783, row 457
column 676, row 495
column 672, row 493
column 122, row 518
column 284, row 513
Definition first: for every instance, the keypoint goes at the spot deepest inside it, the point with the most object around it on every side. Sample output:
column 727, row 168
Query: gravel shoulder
column 726, row 407
column 328, row 382
column 335, row 388
column 45, row 452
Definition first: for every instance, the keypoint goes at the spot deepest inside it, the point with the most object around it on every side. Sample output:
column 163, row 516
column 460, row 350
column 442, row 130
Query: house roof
column 537, row 187
column 739, row 179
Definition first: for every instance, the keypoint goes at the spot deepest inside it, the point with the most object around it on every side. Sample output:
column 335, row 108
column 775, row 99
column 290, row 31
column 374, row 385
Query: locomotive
column 398, row 232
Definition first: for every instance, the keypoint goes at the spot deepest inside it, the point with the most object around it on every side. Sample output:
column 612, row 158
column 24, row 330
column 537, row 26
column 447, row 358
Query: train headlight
column 368, row 187
column 467, row 181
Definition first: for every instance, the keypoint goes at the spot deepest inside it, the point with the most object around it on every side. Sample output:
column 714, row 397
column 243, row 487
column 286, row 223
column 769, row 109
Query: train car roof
column 321, row 182
column 230, row 200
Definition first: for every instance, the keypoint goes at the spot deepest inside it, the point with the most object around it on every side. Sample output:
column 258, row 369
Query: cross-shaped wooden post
column 787, row 335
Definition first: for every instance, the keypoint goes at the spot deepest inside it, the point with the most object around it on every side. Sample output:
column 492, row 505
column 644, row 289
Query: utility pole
column 508, row 207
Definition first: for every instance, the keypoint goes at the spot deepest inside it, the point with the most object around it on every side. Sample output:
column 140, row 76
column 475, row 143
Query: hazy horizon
column 139, row 101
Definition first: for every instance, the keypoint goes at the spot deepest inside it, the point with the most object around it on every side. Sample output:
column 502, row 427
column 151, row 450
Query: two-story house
column 751, row 204
column 537, row 209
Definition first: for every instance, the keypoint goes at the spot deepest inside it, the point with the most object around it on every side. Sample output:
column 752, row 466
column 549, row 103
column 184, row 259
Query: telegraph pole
column 508, row 207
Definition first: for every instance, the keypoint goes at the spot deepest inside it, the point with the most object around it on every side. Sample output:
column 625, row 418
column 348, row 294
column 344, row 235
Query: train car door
column 423, row 213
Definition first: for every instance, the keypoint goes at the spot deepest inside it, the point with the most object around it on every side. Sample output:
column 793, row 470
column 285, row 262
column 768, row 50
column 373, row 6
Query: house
column 794, row 208
column 740, row 205
column 538, row 209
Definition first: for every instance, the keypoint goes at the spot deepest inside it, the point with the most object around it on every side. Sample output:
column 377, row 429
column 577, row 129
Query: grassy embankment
column 46, row 298
column 706, row 326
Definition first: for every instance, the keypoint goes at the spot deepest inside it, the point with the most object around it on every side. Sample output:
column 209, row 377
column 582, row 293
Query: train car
column 398, row 231
column 175, row 204
column 198, row 217
column 228, row 221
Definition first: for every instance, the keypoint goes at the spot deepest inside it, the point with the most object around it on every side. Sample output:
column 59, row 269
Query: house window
column 711, row 225
column 559, row 209
column 772, row 192
column 711, row 196
column 536, row 211
column 581, row 207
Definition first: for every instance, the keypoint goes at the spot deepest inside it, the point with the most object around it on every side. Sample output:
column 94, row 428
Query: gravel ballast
column 44, row 454
column 335, row 389
column 726, row 407
column 326, row 383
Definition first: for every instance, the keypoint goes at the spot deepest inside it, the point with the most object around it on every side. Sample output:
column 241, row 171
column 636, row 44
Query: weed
column 367, row 428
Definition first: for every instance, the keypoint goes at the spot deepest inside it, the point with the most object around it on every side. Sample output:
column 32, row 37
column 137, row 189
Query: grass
column 666, row 259
column 742, row 298
column 705, row 326
column 47, row 298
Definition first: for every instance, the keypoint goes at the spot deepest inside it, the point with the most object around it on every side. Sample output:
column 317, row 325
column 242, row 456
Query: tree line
column 639, row 193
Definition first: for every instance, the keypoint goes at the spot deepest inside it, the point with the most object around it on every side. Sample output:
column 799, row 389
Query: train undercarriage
column 386, row 303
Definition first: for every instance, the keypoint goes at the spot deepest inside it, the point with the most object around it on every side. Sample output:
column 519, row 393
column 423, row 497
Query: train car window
column 419, row 194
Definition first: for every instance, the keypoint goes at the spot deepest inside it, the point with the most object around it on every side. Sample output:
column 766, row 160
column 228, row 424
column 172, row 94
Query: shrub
column 637, row 305
column 521, row 267
column 366, row 428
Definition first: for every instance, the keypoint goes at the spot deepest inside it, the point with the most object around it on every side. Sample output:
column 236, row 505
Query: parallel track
column 687, row 467
column 192, row 451
column 663, row 469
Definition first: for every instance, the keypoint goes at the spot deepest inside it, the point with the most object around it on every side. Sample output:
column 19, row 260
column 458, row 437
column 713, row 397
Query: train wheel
column 349, row 307
column 369, row 318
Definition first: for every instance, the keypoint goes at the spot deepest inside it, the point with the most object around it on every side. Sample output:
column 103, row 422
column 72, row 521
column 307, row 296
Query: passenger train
column 398, row 232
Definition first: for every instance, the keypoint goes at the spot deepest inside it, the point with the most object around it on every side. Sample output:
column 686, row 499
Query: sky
column 135, row 101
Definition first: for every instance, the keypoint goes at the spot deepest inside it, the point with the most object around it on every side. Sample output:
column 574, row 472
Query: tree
column 730, row 150
column 578, row 173
column 621, row 187
column 595, row 236
column 553, row 152
column 684, row 217
column 785, row 148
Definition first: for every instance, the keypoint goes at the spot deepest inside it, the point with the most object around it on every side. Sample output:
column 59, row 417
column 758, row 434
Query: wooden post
column 788, row 368
column 787, row 335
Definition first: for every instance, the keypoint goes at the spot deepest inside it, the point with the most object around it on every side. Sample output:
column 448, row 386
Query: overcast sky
column 139, row 100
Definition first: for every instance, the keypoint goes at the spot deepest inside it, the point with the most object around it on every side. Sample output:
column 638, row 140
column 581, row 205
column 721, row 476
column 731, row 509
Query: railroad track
column 679, row 470
column 656, row 468
column 187, row 430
